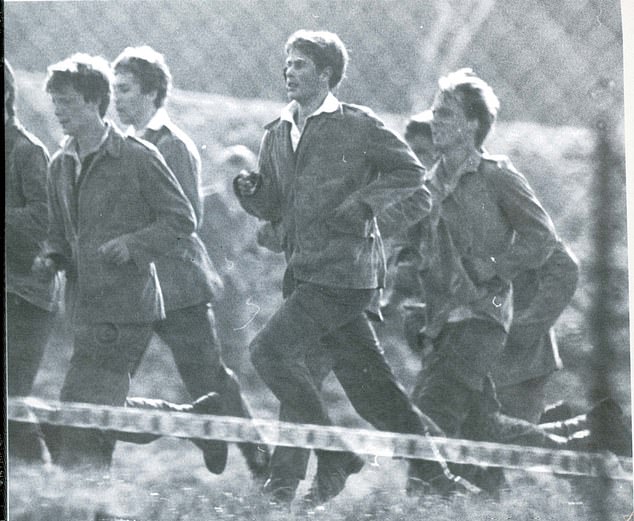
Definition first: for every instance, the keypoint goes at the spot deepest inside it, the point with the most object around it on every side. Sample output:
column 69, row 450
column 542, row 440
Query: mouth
column 291, row 85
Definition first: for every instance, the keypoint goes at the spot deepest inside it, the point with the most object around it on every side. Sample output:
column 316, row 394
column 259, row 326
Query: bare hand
column 115, row 251
column 43, row 268
column 246, row 182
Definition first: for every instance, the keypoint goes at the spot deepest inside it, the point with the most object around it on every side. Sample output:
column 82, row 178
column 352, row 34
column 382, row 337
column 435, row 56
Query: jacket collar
column 331, row 107
column 110, row 143
column 159, row 120
column 445, row 184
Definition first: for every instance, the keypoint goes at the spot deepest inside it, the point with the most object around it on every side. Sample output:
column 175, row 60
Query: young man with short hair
column 187, row 275
column 326, row 170
column 30, row 303
column 114, row 207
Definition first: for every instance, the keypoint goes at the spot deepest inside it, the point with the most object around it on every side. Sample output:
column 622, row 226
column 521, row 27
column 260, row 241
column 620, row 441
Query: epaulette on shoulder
column 360, row 109
column 142, row 142
column 31, row 138
column 271, row 124
column 499, row 161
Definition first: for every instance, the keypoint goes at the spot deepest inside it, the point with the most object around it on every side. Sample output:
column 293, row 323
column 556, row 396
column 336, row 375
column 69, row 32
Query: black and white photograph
column 325, row 260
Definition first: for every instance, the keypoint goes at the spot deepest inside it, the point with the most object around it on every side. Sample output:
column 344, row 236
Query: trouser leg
column 28, row 328
column 525, row 399
column 451, row 380
column 278, row 352
column 191, row 335
column 319, row 363
column 99, row 373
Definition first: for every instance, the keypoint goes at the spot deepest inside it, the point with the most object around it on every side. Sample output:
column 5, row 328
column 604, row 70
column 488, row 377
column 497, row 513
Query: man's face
column 423, row 147
column 450, row 127
column 303, row 81
column 133, row 106
column 74, row 114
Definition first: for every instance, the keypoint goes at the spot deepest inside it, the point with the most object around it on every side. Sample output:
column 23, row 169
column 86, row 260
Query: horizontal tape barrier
column 361, row 441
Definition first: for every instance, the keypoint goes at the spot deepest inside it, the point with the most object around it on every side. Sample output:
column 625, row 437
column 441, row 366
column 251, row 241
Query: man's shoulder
column 496, row 166
column 172, row 135
column 25, row 141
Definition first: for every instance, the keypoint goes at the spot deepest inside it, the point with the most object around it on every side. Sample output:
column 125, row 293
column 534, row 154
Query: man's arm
column 174, row 216
column 535, row 236
column 259, row 192
column 556, row 284
column 56, row 253
column 397, row 193
column 25, row 226
column 185, row 165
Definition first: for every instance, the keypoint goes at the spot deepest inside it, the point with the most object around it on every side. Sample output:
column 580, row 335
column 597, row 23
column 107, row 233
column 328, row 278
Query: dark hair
column 324, row 48
column 420, row 124
column 149, row 68
column 477, row 99
column 88, row 75
column 10, row 89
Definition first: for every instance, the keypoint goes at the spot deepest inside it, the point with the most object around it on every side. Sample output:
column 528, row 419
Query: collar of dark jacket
column 338, row 114
column 438, row 174
column 111, row 146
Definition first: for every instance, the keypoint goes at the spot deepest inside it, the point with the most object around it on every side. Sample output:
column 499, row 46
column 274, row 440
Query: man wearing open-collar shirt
column 486, row 226
column 187, row 275
column 114, row 207
column 326, row 170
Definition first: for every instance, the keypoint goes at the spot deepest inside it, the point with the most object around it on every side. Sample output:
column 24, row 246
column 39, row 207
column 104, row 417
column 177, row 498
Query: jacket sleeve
column 186, row 168
column 265, row 203
column 25, row 226
column 397, row 193
column 535, row 236
column 556, row 284
column 173, row 215
column 56, row 245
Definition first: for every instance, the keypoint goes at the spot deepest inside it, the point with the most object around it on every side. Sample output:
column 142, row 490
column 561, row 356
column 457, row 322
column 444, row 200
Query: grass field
column 167, row 479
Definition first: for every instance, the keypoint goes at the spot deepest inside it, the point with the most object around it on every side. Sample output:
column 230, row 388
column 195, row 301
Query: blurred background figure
column 30, row 302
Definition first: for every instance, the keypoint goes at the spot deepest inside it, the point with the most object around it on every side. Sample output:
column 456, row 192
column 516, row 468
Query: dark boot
column 558, row 411
column 258, row 458
column 214, row 451
column 333, row 469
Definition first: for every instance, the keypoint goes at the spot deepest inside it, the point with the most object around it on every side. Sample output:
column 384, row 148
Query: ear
column 326, row 73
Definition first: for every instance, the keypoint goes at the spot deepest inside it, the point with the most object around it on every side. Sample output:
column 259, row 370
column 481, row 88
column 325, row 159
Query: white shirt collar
column 329, row 105
column 157, row 121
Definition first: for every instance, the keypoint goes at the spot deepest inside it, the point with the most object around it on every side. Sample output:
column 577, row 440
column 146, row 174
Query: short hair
column 149, row 68
column 477, row 98
column 420, row 124
column 324, row 48
column 10, row 89
column 88, row 75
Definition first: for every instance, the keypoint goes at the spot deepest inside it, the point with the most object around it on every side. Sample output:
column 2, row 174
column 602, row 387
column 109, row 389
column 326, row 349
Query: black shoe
column 333, row 470
column 556, row 412
column 258, row 458
column 214, row 451
column 609, row 429
column 281, row 491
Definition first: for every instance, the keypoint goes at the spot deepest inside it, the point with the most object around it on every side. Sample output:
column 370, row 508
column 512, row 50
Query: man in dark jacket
column 30, row 302
column 187, row 275
column 114, row 207
column 326, row 170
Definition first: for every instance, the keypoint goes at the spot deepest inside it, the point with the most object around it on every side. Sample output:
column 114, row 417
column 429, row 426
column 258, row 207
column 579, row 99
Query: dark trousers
column 190, row 333
column 449, row 385
column 316, row 318
column 103, row 358
column 28, row 328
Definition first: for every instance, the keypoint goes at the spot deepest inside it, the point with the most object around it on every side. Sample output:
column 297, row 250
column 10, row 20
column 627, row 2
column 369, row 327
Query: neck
column 144, row 120
column 90, row 138
column 456, row 156
column 307, row 108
